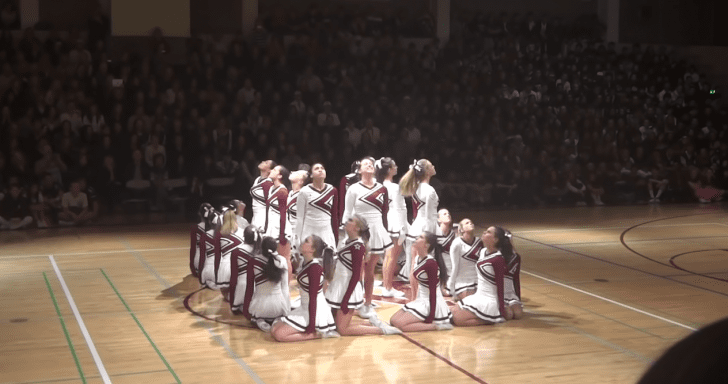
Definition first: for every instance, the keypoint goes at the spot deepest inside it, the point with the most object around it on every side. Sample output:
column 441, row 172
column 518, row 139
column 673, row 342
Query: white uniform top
column 397, row 216
column 463, row 257
column 258, row 193
column 366, row 202
column 315, row 211
column 445, row 242
column 425, row 202
column 291, row 213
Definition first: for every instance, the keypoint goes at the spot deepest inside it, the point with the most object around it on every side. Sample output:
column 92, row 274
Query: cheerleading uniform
column 259, row 194
column 239, row 259
column 345, row 290
column 424, row 205
column 317, row 214
column 429, row 306
column 487, row 302
column 445, row 242
column 196, row 232
column 276, row 221
column 463, row 257
column 268, row 300
column 371, row 203
column 512, row 282
column 313, row 314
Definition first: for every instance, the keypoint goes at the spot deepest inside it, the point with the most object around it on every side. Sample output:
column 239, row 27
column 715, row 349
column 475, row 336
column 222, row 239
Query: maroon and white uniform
column 371, row 203
column 259, row 194
column 512, row 280
column 276, row 221
column 207, row 256
column 344, row 184
column 463, row 257
column 397, row 215
column 291, row 214
column 318, row 214
column 313, row 314
column 345, row 291
column 429, row 306
column 445, row 242
column 487, row 301
column 196, row 233
column 269, row 300
column 424, row 205
column 221, row 266
column 239, row 260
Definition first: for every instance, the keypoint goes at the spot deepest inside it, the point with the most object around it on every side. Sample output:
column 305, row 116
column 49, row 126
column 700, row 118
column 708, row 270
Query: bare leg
column 407, row 322
column 464, row 294
column 464, row 318
column 343, row 325
column 285, row 333
column 369, row 278
column 517, row 311
column 390, row 265
column 285, row 251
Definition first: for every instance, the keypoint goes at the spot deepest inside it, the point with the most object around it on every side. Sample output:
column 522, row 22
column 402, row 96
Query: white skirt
column 337, row 288
column 269, row 302
column 486, row 308
column 420, row 307
column 322, row 230
column 379, row 239
column 223, row 271
column 298, row 318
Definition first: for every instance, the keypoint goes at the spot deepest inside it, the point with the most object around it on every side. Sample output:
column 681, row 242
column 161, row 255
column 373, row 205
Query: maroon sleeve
column 266, row 190
column 335, row 218
column 249, row 286
column 517, row 277
column 414, row 207
column 203, row 253
column 193, row 249
column 233, row 275
column 342, row 199
column 315, row 271
column 282, row 204
column 357, row 259
column 218, row 254
column 432, row 285
column 499, row 269
column 385, row 208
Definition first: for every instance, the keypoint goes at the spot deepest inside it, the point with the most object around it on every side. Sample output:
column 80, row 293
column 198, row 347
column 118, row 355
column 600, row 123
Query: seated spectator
column 91, row 197
column 15, row 209
column 158, row 176
column 75, row 206
column 49, row 201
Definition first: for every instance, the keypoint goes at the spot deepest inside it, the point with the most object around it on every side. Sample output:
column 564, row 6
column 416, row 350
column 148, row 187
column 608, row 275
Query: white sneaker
column 378, row 283
column 392, row 293
column 366, row 312
column 263, row 325
column 330, row 334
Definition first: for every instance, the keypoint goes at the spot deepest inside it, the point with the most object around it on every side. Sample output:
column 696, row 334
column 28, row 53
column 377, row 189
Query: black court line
column 643, row 240
column 445, row 359
column 670, row 264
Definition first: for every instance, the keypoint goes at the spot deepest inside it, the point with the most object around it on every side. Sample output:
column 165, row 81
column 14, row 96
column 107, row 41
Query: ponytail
column 411, row 180
column 252, row 236
column 322, row 251
column 229, row 222
column 436, row 248
column 272, row 270
column 504, row 243
column 382, row 167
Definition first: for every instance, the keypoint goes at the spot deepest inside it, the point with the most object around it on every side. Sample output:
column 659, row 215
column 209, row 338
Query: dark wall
column 676, row 22
column 216, row 16
column 65, row 14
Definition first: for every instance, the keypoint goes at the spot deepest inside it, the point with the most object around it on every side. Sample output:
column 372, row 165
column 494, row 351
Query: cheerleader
column 512, row 280
column 428, row 312
column 318, row 209
column 446, row 233
column 345, row 293
column 346, row 181
column 216, row 274
column 276, row 212
column 386, row 169
column 416, row 183
column 239, row 208
column 313, row 319
column 370, row 200
column 207, row 249
column 463, row 256
column 486, row 305
column 297, row 178
column 270, row 298
column 197, row 236
column 259, row 194
column 239, row 260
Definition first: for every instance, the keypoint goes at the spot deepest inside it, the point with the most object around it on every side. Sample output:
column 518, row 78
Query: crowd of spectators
column 514, row 111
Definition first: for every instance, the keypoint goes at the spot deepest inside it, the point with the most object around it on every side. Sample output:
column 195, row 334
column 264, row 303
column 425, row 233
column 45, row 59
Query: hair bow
column 378, row 164
column 509, row 235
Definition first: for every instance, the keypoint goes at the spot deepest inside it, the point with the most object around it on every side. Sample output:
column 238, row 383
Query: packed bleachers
column 515, row 111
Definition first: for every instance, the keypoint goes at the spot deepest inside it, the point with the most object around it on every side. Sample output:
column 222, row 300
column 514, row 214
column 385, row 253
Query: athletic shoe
column 444, row 327
column 392, row 293
column 330, row 334
column 263, row 325
column 366, row 312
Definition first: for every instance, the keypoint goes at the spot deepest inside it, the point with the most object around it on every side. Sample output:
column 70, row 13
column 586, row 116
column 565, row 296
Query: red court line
column 443, row 358
column 186, row 303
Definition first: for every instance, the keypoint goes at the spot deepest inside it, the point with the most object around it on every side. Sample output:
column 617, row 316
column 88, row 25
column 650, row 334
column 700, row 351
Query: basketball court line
column 19, row 256
column 65, row 330
column 666, row 240
column 610, row 301
column 75, row 380
column 84, row 331
column 619, row 227
column 207, row 327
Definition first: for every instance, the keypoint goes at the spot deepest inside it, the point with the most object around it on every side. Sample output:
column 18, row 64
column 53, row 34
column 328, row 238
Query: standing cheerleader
column 259, row 194
column 428, row 312
column 317, row 209
column 239, row 260
column 313, row 319
column 446, row 234
column 416, row 183
column 276, row 211
column 348, row 180
column 512, row 282
column 270, row 298
column 345, row 293
column 398, row 226
column 486, row 305
column 297, row 178
column 463, row 256
column 370, row 200
column 197, row 238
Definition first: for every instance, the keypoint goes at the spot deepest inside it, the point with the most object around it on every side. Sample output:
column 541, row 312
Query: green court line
column 65, row 331
column 140, row 327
